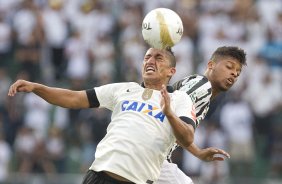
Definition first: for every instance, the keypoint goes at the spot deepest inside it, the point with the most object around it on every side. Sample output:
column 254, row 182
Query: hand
column 20, row 86
column 209, row 154
column 165, row 101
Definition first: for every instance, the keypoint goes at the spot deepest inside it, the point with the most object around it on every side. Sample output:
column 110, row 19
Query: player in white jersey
column 145, row 123
column 223, row 70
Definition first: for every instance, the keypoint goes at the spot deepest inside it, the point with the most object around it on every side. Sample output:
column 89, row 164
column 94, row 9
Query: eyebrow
column 233, row 63
column 157, row 55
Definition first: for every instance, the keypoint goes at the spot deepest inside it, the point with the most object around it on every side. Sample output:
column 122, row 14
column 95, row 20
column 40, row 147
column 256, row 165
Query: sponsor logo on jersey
column 144, row 108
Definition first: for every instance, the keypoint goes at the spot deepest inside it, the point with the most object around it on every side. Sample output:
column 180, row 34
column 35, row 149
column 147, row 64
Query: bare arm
column 56, row 96
column 183, row 132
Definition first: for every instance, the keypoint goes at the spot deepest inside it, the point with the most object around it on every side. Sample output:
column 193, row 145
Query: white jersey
column 171, row 174
column 139, row 136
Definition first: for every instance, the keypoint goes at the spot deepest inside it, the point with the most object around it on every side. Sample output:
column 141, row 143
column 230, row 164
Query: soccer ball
column 162, row 28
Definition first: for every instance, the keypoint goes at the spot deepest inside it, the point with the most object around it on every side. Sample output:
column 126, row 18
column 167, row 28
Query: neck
column 215, row 91
column 154, row 85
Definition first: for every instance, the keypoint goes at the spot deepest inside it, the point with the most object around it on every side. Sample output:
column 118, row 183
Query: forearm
column 61, row 97
column 183, row 132
column 194, row 149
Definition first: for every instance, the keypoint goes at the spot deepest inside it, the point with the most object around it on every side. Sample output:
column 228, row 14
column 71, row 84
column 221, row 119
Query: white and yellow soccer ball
column 162, row 28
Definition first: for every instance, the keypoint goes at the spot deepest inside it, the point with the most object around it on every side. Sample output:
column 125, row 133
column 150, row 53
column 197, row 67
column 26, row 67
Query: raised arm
column 56, row 96
column 183, row 132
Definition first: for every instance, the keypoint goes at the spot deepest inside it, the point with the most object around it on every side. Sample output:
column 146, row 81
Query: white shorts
column 171, row 174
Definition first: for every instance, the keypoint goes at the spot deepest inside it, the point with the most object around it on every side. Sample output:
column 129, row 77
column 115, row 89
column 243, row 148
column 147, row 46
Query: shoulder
column 115, row 88
column 121, row 85
column 193, row 83
column 192, row 80
column 181, row 95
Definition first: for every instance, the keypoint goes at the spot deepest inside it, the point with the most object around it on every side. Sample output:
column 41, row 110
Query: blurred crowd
column 80, row 44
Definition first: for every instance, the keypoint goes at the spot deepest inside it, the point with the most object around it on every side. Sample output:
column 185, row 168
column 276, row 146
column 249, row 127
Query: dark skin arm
column 207, row 154
column 183, row 132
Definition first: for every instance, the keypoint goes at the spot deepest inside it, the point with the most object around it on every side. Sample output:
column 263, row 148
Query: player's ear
column 211, row 64
column 172, row 71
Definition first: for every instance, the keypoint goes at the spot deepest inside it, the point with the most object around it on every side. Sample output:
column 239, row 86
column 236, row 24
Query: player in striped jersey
column 223, row 70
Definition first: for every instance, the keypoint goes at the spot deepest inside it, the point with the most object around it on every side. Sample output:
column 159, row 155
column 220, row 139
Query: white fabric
column 5, row 37
column 78, row 62
column 171, row 174
column 237, row 115
column 24, row 25
column 37, row 114
column 138, row 137
column 55, row 27
column 5, row 158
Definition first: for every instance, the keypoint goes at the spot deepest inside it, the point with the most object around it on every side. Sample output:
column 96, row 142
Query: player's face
column 156, row 66
column 224, row 72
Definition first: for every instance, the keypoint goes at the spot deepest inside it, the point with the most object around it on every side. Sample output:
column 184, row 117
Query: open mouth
column 150, row 69
column 230, row 81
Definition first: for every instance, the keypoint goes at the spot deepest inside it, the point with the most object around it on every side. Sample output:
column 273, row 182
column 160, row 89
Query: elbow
column 188, row 139
column 189, row 136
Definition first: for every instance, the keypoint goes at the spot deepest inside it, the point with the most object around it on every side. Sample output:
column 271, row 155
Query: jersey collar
column 168, row 88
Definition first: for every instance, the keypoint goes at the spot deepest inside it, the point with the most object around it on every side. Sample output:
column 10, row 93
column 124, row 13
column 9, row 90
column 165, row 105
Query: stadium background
column 79, row 44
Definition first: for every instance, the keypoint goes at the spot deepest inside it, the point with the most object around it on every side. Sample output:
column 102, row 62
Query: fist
column 20, row 86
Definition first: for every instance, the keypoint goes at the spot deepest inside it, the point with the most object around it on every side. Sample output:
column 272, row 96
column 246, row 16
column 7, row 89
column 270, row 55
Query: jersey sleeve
column 107, row 94
column 199, row 89
column 185, row 109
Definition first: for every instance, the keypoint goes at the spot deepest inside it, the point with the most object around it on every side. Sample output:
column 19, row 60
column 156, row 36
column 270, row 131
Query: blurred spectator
column 56, row 149
column 276, row 147
column 268, row 92
column 31, row 153
column 256, row 31
column 5, row 158
column 55, row 27
column 184, row 58
column 60, row 118
column 131, row 41
column 24, row 146
column 8, row 7
column 28, row 31
column 77, row 55
column 5, row 41
column 236, row 118
column 214, row 172
column 15, row 112
column 5, row 82
column 268, row 9
column 272, row 50
column 37, row 115
column 103, row 63
column 88, row 144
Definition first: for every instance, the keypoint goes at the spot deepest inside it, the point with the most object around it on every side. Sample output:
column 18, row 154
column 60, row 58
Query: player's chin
column 225, row 87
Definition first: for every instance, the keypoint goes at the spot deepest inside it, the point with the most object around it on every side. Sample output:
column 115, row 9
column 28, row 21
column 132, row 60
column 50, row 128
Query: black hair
column 230, row 51
column 171, row 56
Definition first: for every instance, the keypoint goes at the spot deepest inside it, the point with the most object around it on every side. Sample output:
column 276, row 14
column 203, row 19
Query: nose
column 151, row 60
column 235, row 73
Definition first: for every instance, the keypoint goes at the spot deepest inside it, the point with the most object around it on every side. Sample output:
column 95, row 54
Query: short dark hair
column 230, row 51
column 171, row 57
